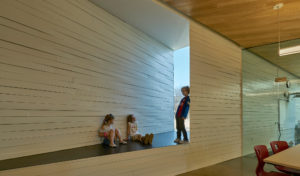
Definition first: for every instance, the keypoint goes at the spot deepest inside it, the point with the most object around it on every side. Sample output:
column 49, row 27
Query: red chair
column 278, row 146
column 261, row 152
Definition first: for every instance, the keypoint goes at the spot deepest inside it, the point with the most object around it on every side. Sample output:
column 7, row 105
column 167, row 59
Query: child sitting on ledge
column 132, row 131
column 109, row 132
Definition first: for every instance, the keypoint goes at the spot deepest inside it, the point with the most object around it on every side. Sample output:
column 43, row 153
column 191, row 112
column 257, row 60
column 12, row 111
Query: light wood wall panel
column 260, row 103
column 216, row 93
column 64, row 65
column 215, row 120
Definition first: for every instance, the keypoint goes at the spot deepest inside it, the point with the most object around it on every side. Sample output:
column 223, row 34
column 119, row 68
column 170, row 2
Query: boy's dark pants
column 181, row 128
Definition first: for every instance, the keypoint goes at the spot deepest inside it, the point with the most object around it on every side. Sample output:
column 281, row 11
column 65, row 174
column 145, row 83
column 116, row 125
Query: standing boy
column 181, row 115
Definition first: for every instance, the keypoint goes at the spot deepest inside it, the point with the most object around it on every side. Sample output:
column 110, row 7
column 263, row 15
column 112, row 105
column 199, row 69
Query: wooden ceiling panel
column 249, row 23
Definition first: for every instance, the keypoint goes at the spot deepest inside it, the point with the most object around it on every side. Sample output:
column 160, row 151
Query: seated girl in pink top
column 109, row 132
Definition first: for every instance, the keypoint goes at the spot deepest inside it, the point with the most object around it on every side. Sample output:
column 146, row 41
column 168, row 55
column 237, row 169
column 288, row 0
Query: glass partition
column 271, row 96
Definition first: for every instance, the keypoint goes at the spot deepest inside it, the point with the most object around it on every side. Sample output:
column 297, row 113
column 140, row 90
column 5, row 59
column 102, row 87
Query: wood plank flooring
column 241, row 166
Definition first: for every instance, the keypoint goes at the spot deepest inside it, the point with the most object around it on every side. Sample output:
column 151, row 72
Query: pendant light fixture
column 288, row 50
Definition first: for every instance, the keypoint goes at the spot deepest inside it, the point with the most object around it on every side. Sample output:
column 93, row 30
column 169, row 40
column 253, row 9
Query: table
column 289, row 158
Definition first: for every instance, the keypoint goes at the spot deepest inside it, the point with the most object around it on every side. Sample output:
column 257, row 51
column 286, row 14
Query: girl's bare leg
column 118, row 135
column 111, row 137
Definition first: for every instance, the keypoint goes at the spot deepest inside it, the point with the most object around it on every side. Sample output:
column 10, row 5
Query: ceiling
column 290, row 63
column 248, row 23
column 252, row 24
column 156, row 21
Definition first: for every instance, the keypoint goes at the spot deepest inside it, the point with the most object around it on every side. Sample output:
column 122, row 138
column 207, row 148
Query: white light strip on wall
column 289, row 50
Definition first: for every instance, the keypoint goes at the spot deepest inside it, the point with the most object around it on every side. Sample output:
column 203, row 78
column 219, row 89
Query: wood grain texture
column 216, row 93
column 288, row 158
column 64, row 65
column 215, row 119
column 260, row 103
column 247, row 22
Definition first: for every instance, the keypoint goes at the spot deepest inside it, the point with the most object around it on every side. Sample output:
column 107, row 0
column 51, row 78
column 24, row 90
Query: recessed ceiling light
column 289, row 50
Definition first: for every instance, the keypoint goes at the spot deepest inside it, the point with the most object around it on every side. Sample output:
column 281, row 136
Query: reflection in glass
column 271, row 110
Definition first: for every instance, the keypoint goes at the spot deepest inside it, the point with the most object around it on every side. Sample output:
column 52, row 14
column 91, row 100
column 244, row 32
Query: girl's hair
column 129, row 118
column 187, row 88
column 107, row 118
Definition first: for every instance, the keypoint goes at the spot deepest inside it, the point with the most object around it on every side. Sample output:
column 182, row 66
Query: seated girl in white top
column 132, row 131
column 109, row 132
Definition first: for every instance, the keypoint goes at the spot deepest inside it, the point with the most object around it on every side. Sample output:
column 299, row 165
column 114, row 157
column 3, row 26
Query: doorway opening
column 181, row 78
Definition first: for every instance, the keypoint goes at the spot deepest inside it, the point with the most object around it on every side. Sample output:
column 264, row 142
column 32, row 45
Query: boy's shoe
column 146, row 141
column 150, row 139
column 180, row 142
column 186, row 142
column 176, row 140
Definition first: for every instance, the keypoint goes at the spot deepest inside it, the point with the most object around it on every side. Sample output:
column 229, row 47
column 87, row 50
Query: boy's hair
column 129, row 118
column 187, row 88
column 107, row 118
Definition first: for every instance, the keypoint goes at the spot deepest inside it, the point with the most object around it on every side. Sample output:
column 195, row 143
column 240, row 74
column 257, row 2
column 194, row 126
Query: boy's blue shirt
column 186, row 107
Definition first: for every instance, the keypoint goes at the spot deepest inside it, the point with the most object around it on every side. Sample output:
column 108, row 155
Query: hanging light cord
column 279, row 39
column 279, row 34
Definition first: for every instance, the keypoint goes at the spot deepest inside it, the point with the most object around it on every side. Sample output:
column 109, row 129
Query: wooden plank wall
column 64, row 64
column 216, row 94
column 215, row 121
column 260, row 103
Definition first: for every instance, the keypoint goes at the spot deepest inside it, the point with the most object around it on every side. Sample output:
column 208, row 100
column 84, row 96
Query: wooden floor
column 243, row 166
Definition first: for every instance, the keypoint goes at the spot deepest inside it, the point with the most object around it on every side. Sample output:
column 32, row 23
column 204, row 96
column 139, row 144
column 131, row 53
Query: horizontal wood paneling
column 215, row 120
column 64, row 65
column 216, row 94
